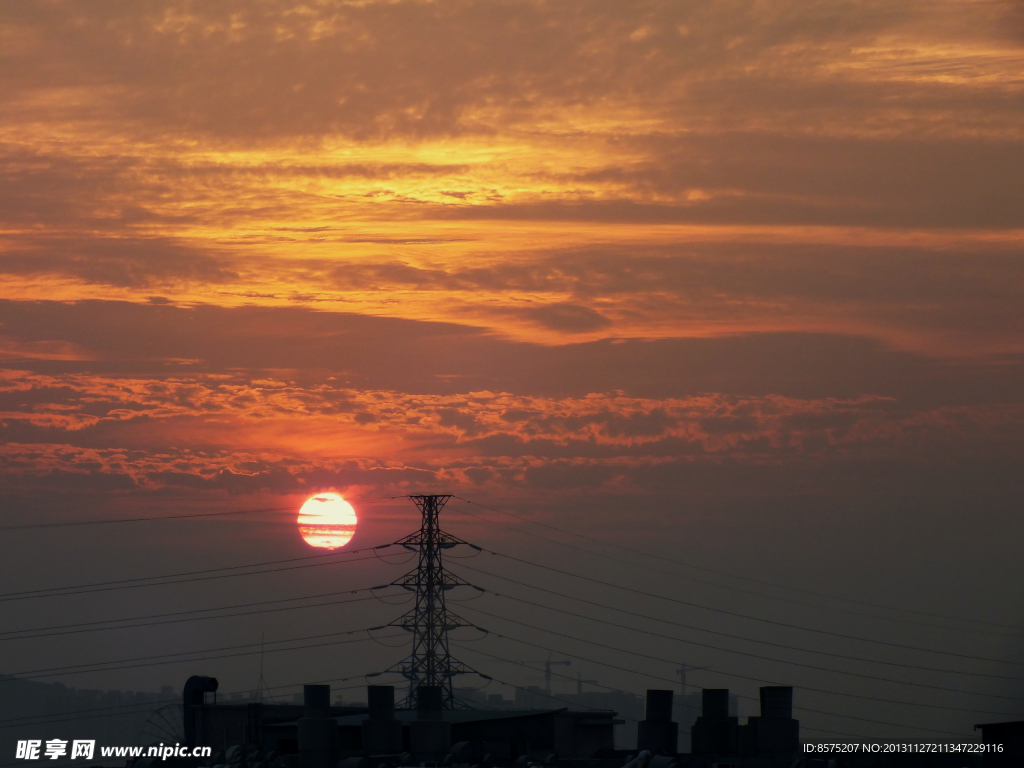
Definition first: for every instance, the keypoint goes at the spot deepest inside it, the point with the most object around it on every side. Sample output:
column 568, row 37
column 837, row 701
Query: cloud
column 647, row 171
column 418, row 68
column 571, row 318
column 199, row 432
column 122, row 262
column 444, row 358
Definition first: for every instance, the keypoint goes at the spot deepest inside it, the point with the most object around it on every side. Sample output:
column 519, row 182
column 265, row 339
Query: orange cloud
column 214, row 422
column 467, row 210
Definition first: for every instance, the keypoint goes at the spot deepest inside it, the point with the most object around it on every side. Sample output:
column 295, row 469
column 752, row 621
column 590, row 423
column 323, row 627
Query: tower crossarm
column 443, row 580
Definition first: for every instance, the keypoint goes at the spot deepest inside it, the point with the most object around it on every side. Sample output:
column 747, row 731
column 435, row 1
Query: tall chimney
column 657, row 733
column 317, row 729
column 382, row 733
column 714, row 703
column 777, row 701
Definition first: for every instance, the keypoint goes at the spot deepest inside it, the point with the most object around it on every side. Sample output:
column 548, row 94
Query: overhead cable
column 74, row 629
column 171, row 658
column 108, row 521
column 667, row 680
column 748, row 617
column 745, row 677
column 743, row 638
column 726, row 574
column 189, row 576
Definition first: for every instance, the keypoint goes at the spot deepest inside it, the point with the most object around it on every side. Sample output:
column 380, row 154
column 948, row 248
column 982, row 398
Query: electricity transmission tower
column 430, row 662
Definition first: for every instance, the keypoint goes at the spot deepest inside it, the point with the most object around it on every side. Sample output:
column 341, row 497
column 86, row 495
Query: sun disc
column 327, row 521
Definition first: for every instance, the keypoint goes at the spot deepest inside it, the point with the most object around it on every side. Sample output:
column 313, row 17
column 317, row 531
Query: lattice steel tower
column 429, row 621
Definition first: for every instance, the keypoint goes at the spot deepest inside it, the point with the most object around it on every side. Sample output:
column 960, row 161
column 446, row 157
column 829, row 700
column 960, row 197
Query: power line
column 107, row 586
column 718, row 585
column 86, row 628
column 744, row 677
column 89, row 714
column 616, row 690
column 190, row 611
column 668, row 680
column 715, row 632
column 185, row 653
column 170, row 658
column 736, row 576
column 749, row 617
column 547, row 695
column 70, row 523
column 613, row 690
column 106, row 711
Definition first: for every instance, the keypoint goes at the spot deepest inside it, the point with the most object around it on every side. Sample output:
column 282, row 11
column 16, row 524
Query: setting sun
column 327, row 521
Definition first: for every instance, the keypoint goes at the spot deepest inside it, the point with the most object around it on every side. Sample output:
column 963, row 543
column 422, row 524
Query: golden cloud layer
column 541, row 174
column 213, row 422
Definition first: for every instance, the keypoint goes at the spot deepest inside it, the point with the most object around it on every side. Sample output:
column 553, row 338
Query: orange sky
column 583, row 256
column 333, row 189
column 513, row 166
column 533, row 173
column 284, row 208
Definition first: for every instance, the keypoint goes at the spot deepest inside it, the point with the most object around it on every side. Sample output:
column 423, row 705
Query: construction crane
column 548, row 664
column 580, row 682
column 682, row 676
